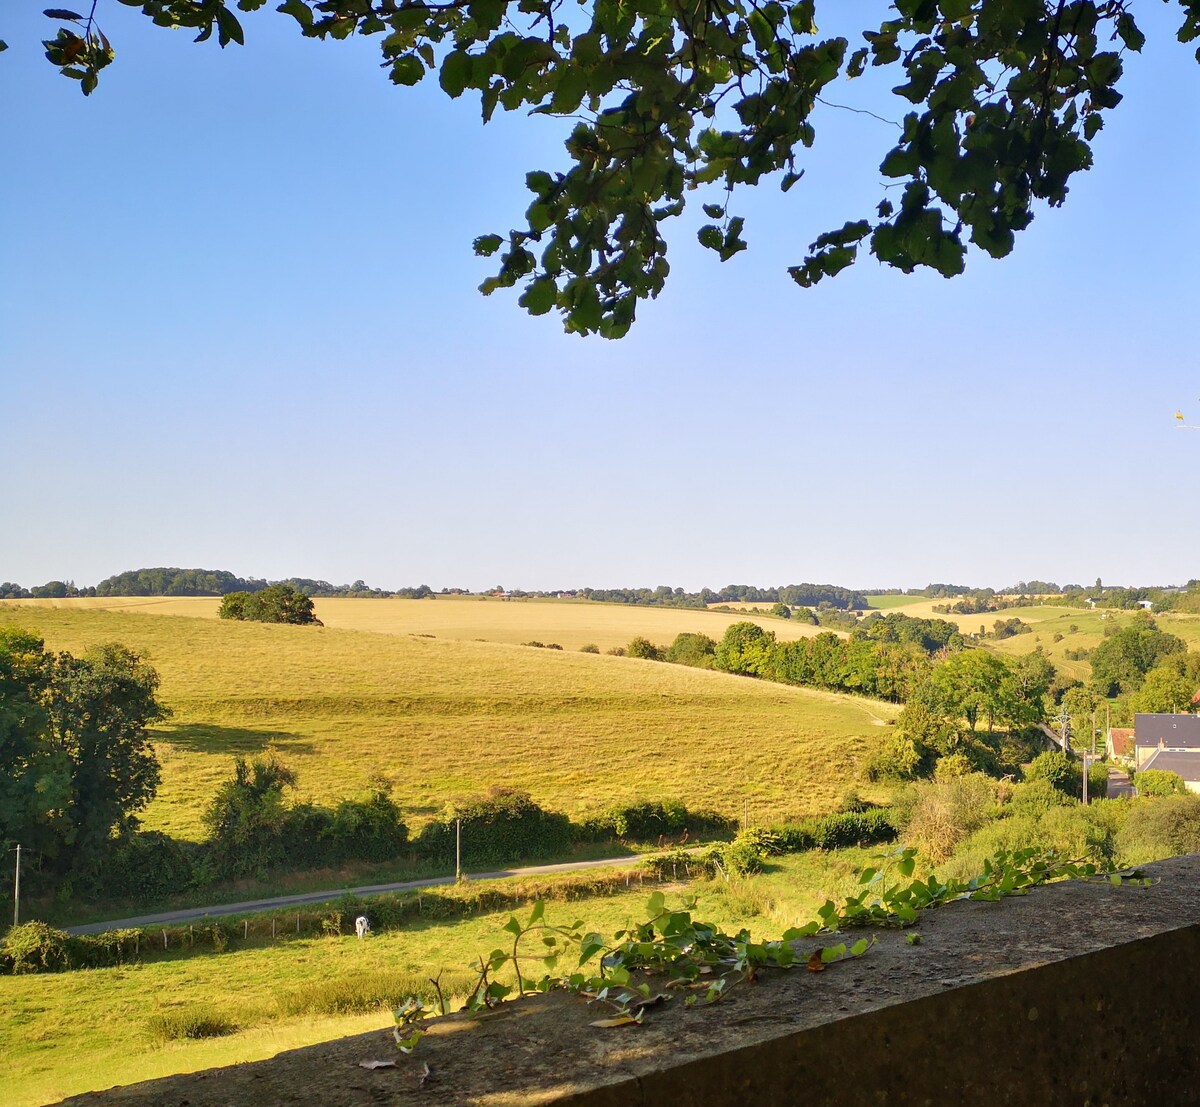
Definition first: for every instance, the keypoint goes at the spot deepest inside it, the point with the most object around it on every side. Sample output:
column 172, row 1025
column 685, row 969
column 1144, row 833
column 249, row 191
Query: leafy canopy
column 1003, row 98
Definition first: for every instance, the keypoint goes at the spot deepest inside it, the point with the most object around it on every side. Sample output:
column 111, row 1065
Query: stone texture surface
column 1080, row 993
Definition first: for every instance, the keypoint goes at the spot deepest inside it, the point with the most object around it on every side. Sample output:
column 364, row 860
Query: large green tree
column 1002, row 99
column 76, row 761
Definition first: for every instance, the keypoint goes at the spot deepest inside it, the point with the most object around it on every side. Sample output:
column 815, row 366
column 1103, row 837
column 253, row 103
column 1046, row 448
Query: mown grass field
column 442, row 719
column 67, row 1033
column 569, row 623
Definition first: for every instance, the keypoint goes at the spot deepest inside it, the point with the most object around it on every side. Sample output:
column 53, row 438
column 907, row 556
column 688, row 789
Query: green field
column 72, row 1032
column 442, row 719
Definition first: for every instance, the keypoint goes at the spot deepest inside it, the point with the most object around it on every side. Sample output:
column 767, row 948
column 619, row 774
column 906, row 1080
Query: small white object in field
column 361, row 926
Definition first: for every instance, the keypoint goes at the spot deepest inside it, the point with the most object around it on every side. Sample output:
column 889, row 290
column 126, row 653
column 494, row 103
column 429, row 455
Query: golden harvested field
column 443, row 719
column 569, row 623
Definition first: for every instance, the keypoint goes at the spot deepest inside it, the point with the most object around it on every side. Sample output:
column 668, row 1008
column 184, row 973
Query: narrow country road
column 192, row 914
column 1118, row 783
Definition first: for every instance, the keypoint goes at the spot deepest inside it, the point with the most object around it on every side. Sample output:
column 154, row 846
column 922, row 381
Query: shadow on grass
column 233, row 740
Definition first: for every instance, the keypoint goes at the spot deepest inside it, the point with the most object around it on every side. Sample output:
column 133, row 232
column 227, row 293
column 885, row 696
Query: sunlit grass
column 441, row 719
column 72, row 1032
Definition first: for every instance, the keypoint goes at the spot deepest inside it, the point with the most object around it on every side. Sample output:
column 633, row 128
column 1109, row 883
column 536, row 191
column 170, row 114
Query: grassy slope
column 72, row 1032
column 1047, row 621
column 478, row 619
column 441, row 719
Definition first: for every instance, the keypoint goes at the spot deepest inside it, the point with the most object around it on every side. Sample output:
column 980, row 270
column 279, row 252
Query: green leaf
column 63, row 13
column 513, row 926
column 539, row 909
column 1128, row 30
column 487, row 244
column 407, row 70
column 456, row 73
column 299, row 11
column 710, row 237
column 860, row 947
column 655, row 904
column 228, row 28
column 832, row 953
column 540, row 296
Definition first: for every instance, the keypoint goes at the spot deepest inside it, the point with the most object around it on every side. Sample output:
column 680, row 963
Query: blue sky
column 239, row 328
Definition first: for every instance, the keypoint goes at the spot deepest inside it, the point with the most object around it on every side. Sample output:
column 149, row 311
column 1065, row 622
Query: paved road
column 192, row 914
column 1118, row 783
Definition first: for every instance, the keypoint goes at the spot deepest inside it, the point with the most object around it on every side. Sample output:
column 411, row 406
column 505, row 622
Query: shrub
column 357, row 993
column 747, row 852
column 1160, row 828
column 952, row 765
column 1061, row 769
column 1097, row 781
column 150, row 866
column 35, row 947
column 368, row 829
column 202, row 1020
column 1036, row 797
column 616, row 651
column 944, row 813
column 697, row 650
column 1159, row 782
column 645, row 649
column 503, row 826
column 900, row 758
column 840, row 831
column 591, row 647
column 648, row 820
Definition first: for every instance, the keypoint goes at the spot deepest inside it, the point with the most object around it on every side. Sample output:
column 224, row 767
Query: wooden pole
column 17, row 889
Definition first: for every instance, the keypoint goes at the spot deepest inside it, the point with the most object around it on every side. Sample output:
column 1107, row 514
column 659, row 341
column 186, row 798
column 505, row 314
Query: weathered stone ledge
column 1075, row 994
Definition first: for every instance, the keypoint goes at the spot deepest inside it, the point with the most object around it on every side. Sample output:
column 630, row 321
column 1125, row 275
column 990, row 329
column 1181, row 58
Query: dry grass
column 442, row 719
column 570, row 623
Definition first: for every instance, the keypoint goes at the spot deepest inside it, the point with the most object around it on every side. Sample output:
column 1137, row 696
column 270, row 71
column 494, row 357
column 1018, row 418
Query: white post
column 458, row 849
column 17, row 889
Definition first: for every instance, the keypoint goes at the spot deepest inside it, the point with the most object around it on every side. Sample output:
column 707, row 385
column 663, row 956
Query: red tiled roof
column 1122, row 740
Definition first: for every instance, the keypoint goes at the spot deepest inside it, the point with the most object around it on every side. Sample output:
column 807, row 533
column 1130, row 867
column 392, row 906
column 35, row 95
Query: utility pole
column 457, row 850
column 1064, row 729
column 17, row 889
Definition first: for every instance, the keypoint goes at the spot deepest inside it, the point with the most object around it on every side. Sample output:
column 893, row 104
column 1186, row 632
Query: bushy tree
column 76, row 761
column 643, row 648
column 247, row 818
column 277, row 603
column 1120, row 663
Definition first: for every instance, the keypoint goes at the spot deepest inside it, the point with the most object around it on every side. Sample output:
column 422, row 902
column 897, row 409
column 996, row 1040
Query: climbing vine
column 672, row 953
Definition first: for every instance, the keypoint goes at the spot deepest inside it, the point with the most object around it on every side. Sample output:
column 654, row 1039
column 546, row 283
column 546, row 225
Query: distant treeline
column 963, row 599
column 793, row 595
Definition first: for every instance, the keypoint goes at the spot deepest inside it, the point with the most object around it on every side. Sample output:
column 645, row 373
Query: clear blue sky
column 239, row 329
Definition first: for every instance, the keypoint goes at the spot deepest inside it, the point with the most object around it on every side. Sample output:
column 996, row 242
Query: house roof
column 1185, row 763
column 1173, row 731
column 1121, row 738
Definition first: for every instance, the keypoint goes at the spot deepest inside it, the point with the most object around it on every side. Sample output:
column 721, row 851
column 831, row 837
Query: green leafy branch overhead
column 1003, row 100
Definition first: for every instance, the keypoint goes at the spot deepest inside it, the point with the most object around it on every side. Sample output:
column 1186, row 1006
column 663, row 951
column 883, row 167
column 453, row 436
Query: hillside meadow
column 66, row 1033
column 569, row 623
column 443, row 719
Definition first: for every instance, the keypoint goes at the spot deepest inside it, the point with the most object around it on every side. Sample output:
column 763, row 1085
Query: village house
column 1169, row 742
